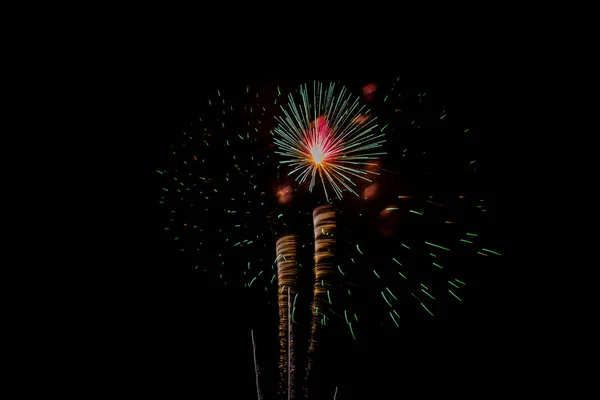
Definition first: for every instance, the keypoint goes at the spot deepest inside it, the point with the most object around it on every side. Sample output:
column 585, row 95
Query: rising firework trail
column 324, row 229
column 258, row 391
column 287, row 272
column 328, row 134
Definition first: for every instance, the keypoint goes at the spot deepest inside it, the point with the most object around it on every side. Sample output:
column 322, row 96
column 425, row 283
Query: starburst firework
column 330, row 135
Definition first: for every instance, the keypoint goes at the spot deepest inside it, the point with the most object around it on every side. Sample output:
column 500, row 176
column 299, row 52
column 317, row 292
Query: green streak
column 355, row 317
column 375, row 272
column 396, row 314
column 250, row 284
column 329, row 297
column 386, row 300
column 472, row 234
column 453, row 284
column 393, row 319
column 342, row 272
column 359, row 249
column 491, row 251
column 415, row 212
column 280, row 215
column 351, row 331
column 459, row 281
column 159, row 172
column 424, row 286
column 397, row 262
column 427, row 309
column 405, row 246
column 466, row 241
column 437, row 265
column 346, row 316
column 402, row 275
column 438, row 246
column 423, row 290
column 388, row 289
column 454, row 295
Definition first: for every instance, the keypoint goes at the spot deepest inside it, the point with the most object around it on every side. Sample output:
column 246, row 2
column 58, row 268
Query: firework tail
column 258, row 391
column 287, row 271
column 324, row 229
column 289, row 346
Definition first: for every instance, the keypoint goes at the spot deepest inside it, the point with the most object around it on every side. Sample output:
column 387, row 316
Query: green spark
column 423, row 290
column 453, row 284
column 342, row 272
column 416, row 212
column 402, row 275
column 375, row 272
column 459, row 281
column 397, row 262
column 160, row 172
column 405, row 246
column 329, row 297
column 427, row 309
column 439, row 266
column 454, row 295
column 471, row 234
column 435, row 245
column 346, row 316
column 466, row 241
column 393, row 319
column 386, row 300
column 358, row 249
column 351, row 331
column 491, row 251
column 388, row 289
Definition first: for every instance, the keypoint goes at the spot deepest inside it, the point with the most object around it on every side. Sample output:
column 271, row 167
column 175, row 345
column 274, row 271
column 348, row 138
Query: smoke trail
column 287, row 270
column 258, row 391
column 324, row 228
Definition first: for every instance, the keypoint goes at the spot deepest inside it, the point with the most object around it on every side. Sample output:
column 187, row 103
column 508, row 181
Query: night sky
column 188, row 333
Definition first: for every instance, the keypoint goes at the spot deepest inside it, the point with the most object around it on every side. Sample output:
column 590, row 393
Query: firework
column 258, row 391
column 287, row 271
column 324, row 230
column 330, row 135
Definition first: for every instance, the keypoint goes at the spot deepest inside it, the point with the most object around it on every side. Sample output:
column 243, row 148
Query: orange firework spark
column 287, row 272
column 324, row 228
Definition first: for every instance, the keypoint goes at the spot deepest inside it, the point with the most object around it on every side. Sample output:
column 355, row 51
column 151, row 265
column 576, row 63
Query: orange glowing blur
column 284, row 194
column 371, row 191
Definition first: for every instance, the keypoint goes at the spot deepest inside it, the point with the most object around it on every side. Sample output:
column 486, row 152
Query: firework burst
column 330, row 135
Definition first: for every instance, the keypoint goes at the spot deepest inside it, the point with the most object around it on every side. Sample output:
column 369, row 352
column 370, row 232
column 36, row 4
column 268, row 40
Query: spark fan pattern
column 331, row 137
column 287, row 273
column 324, row 229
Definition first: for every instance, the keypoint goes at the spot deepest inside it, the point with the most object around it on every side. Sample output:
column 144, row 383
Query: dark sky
column 184, row 334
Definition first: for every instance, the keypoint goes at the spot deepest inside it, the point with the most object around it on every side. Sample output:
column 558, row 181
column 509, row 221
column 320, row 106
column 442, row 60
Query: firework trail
column 324, row 229
column 331, row 137
column 287, row 271
column 258, row 391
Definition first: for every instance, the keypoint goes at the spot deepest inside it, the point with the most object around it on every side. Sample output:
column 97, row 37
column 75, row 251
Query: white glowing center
column 317, row 154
